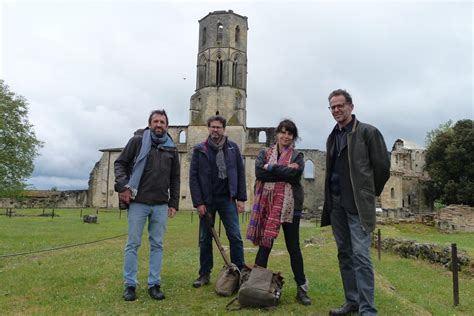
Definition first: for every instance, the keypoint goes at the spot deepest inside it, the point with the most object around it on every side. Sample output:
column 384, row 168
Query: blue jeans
column 230, row 218
column 353, row 252
column 157, row 216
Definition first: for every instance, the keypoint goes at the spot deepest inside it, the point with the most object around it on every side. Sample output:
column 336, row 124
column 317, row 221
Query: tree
column 18, row 143
column 450, row 162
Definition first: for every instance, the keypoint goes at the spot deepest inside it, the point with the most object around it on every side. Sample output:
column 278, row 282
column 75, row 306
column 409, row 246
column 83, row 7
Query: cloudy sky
column 93, row 70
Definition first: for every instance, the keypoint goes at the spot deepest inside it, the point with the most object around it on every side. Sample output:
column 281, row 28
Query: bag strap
column 235, row 308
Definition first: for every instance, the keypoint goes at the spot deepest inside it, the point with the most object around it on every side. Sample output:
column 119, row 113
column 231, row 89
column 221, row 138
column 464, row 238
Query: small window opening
column 182, row 137
column 308, row 170
column 262, row 137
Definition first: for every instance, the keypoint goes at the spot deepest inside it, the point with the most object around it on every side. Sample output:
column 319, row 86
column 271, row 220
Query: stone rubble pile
column 430, row 252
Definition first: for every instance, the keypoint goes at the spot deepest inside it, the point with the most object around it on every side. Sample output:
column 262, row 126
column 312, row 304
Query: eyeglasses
column 216, row 127
column 333, row 108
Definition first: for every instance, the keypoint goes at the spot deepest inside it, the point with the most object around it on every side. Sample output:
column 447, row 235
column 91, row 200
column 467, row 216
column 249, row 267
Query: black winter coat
column 200, row 174
column 283, row 174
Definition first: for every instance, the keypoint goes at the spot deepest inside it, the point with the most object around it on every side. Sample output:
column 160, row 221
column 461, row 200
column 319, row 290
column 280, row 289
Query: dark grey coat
column 369, row 166
column 160, row 181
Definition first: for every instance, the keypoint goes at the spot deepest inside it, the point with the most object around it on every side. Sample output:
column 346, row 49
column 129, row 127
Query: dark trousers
column 355, row 263
column 230, row 218
column 292, row 240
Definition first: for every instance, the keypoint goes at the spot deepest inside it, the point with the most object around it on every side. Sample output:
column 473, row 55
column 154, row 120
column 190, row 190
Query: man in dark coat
column 217, row 183
column 357, row 168
column 147, row 177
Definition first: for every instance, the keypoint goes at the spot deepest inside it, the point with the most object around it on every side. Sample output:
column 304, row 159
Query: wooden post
column 192, row 215
column 52, row 214
column 454, row 267
column 220, row 222
column 97, row 211
column 43, row 211
column 81, row 213
column 379, row 243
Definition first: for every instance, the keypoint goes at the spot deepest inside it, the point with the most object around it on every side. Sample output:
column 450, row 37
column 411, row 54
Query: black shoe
column 204, row 279
column 302, row 296
column 345, row 309
column 129, row 293
column 155, row 292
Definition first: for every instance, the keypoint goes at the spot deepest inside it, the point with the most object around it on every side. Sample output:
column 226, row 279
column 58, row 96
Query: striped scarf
column 273, row 204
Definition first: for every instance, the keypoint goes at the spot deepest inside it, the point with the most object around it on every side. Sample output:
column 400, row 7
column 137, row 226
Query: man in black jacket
column 147, row 177
column 217, row 183
column 357, row 168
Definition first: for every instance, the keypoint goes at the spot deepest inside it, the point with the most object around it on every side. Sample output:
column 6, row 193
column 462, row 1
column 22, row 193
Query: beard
column 159, row 133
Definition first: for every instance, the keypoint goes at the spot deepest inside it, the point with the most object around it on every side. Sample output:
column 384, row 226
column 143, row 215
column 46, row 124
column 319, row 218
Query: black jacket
column 200, row 173
column 283, row 174
column 369, row 170
column 160, row 181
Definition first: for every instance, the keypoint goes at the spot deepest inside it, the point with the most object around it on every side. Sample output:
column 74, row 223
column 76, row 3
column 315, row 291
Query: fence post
column 454, row 267
column 379, row 243
column 52, row 214
column 97, row 211
column 192, row 215
column 81, row 213
column 220, row 222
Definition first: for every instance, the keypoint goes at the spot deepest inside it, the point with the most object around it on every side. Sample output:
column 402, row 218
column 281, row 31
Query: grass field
column 87, row 279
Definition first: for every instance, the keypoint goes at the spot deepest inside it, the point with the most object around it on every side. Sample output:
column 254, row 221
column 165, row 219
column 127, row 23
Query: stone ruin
column 433, row 253
column 454, row 218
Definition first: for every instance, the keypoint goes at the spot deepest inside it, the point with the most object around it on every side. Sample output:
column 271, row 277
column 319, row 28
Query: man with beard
column 217, row 183
column 147, row 178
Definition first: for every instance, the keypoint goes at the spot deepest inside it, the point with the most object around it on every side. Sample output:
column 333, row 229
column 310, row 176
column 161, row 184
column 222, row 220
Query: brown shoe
column 204, row 279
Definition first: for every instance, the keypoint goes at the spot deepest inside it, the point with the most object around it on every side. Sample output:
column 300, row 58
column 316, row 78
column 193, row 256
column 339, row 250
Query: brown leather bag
column 228, row 280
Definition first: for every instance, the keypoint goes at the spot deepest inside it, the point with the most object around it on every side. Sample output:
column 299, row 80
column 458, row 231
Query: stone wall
column 455, row 218
column 392, row 193
column 430, row 252
column 48, row 199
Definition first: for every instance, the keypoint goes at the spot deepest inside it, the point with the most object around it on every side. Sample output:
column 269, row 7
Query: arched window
column 392, row 193
column 204, row 35
column 182, row 137
column 262, row 137
column 219, row 71
column 308, row 169
column 237, row 71
column 237, row 34
column 220, row 30
column 202, row 72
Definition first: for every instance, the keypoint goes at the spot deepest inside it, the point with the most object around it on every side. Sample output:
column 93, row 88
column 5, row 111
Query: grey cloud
column 92, row 71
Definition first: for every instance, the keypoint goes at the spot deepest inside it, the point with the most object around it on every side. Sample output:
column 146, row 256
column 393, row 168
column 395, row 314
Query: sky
column 93, row 70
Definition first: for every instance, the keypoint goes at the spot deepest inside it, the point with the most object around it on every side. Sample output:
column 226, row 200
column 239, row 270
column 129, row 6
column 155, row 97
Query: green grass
column 88, row 279
column 427, row 234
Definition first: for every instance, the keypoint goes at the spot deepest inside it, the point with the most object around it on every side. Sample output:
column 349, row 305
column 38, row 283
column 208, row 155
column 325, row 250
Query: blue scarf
column 139, row 166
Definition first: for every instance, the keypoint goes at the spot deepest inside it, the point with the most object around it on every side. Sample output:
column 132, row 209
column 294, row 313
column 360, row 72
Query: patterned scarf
column 220, row 159
column 274, row 203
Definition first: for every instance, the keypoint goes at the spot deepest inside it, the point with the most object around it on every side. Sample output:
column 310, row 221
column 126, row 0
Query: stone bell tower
column 221, row 78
